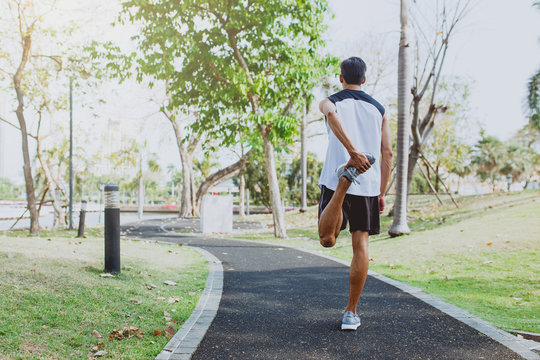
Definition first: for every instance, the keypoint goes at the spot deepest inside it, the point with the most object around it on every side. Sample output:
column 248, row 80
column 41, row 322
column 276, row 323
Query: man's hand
column 381, row 203
column 359, row 161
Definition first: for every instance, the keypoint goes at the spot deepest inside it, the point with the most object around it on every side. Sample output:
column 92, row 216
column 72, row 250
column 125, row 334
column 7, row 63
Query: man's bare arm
column 386, row 159
column 358, row 160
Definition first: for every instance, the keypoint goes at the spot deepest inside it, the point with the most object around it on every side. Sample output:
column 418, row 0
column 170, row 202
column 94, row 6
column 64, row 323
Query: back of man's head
column 353, row 70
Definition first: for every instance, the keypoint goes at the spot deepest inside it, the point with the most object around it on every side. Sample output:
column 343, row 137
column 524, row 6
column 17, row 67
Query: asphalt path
column 281, row 303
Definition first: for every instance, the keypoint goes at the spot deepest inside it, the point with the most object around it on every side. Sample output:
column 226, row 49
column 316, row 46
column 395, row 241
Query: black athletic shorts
column 362, row 212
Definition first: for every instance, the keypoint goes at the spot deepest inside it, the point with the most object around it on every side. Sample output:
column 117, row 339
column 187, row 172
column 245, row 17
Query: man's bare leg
column 332, row 215
column 359, row 268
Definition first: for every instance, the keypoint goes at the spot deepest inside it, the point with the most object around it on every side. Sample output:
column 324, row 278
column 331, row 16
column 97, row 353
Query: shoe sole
column 349, row 327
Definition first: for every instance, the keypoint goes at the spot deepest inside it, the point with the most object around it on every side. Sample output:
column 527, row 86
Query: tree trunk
column 437, row 178
column 51, row 185
column 303, row 151
column 218, row 177
column 414, row 155
column 275, row 197
column 186, row 203
column 140, row 198
column 242, row 195
column 28, row 179
column 399, row 224
column 187, row 196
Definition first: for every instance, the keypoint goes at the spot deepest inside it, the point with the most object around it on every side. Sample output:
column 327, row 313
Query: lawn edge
column 519, row 346
column 186, row 340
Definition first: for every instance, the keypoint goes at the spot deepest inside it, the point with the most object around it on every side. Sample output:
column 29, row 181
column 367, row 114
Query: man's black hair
column 353, row 70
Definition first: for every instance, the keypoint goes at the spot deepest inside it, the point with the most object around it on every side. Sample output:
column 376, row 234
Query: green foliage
column 488, row 157
column 533, row 100
column 294, row 180
column 10, row 191
column 256, row 180
column 223, row 58
column 419, row 185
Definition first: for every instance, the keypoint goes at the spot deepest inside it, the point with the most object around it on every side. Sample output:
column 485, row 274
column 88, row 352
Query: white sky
column 497, row 48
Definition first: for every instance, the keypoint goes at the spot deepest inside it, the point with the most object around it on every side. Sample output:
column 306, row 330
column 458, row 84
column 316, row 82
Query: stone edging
column 184, row 343
column 520, row 346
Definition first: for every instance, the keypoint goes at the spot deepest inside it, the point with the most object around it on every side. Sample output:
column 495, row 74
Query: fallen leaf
column 157, row 332
column 152, row 342
column 174, row 299
column 170, row 251
column 489, row 243
column 169, row 282
column 94, row 348
column 159, row 298
column 179, row 244
column 96, row 334
column 100, row 344
column 167, row 316
column 169, row 332
column 135, row 301
column 510, row 295
column 151, row 286
column 49, row 239
column 106, row 275
column 100, row 353
column 191, row 293
column 174, row 322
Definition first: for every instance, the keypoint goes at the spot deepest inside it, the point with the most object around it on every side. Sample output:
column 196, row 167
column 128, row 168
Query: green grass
column 482, row 257
column 53, row 296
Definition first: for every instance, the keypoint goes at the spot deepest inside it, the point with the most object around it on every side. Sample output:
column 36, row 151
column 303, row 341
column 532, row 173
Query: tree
column 294, row 176
column 533, row 94
column 399, row 223
column 236, row 57
column 488, row 158
column 35, row 58
column 533, row 100
column 426, row 108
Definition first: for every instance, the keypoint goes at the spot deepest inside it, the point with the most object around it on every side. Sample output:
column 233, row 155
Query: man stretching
column 355, row 174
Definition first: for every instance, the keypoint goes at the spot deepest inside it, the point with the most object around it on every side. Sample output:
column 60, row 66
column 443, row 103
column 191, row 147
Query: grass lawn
column 482, row 257
column 53, row 297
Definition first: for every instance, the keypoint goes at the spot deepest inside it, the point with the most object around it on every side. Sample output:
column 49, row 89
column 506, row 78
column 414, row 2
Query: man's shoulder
column 356, row 95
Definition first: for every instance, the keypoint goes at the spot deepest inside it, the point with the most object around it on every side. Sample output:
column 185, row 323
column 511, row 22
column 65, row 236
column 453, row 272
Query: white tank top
column 361, row 117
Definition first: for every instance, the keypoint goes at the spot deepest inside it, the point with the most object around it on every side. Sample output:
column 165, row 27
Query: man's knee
column 327, row 241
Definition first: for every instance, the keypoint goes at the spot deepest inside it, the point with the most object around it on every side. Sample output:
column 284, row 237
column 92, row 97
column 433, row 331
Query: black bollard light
column 112, row 229
column 82, row 218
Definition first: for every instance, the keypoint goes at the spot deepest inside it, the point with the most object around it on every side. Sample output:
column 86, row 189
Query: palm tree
column 399, row 224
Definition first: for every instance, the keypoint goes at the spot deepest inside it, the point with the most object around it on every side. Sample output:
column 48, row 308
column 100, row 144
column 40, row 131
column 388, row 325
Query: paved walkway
column 281, row 303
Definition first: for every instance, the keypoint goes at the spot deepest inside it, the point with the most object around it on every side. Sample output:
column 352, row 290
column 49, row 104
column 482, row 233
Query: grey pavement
column 283, row 303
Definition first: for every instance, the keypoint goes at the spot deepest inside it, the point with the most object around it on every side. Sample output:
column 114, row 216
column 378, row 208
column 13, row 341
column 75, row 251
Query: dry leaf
column 170, row 251
column 100, row 344
column 167, row 316
column 179, row 244
column 159, row 298
column 169, row 282
column 106, row 275
column 157, row 332
column 489, row 244
column 169, row 332
column 174, row 322
column 96, row 334
column 135, row 301
column 487, row 262
column 151, row 286
column 100, row 353
column 174, row 299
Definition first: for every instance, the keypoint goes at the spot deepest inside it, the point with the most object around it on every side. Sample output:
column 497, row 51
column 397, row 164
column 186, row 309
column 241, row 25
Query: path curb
column 184, row 343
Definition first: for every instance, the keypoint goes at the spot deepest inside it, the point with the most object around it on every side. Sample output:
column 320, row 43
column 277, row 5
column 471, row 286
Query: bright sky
column 497, row 48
